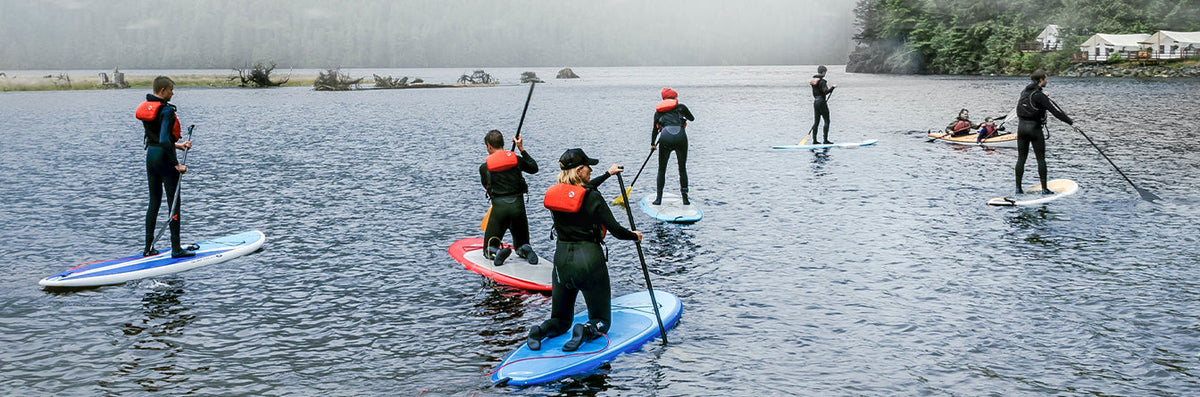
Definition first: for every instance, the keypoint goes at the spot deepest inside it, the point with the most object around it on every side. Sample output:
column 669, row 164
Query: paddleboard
column 1006, row 140
column 1033, row 195
column 633, row 324
column 832, row 145
column 516, row 271
column 116, row 271
column 672, row 209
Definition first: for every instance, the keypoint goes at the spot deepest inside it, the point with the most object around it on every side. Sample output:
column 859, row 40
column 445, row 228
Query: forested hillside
column 982, row 37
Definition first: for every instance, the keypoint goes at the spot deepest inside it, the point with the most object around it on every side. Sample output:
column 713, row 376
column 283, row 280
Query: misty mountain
column 80, row 34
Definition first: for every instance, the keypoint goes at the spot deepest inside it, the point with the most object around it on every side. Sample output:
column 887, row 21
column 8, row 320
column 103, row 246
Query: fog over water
column 80, row 34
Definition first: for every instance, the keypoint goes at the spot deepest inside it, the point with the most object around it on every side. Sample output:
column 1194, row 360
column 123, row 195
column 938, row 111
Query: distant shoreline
column 55, row 82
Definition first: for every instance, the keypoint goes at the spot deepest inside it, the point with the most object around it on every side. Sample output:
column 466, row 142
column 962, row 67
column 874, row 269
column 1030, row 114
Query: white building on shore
column 1172, row 45
column 1100, row 46
column 1048, row 38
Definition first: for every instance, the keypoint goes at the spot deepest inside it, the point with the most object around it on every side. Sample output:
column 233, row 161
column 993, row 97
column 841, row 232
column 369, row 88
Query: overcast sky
column 81, row 34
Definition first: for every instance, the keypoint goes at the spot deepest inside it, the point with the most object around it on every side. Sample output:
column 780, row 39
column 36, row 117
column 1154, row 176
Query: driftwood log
column 335, row 80
column 257, row 76
column 478, row 77
column 527, row 77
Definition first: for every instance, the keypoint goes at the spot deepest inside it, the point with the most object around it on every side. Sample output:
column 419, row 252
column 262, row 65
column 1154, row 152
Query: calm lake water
column 870, row 271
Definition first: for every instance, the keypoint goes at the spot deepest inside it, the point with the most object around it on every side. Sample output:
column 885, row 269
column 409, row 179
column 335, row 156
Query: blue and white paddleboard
column 832, row 145
column 633, row 324
column 672, row 209
column 116, row 271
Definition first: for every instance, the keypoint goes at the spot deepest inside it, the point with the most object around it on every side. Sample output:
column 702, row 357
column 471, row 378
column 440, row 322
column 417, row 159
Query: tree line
column 984, row 37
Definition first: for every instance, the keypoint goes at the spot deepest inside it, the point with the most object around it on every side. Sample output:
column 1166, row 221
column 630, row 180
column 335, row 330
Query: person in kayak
column 581, row 220
column 821, row 90
column 670, row 121
column 161, row 138
column 501, row 176
column 987, row 129
column 961, row 125
column 1031, row 111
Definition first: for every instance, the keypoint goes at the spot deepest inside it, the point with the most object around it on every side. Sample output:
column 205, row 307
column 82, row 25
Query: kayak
column 1033, row 195
column 633, row 324
column 516, row 271
column 116, row 271
column 1005, row 140
column 672, row 209
column 827, row 146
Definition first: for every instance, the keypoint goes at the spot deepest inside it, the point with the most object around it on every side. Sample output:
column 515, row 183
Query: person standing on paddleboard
column 821, row 90
column 162, row 135
column 581, row 220
column 670, row 120
column 501, row 175
column 1031, row 110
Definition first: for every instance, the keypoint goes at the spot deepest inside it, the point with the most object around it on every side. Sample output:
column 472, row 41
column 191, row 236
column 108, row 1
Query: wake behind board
column 672, row 209
column 516, row 271
column 116, row 271
column 633, row 324
column 1033, row 195
column 832, row 145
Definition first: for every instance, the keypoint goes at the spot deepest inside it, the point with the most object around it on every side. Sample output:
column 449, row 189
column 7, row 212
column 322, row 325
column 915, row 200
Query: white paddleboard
column 832, row 145
column 672, row 209
column 1033, row 195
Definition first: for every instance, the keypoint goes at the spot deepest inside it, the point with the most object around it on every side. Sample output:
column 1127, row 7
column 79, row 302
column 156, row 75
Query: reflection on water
column 152, row 343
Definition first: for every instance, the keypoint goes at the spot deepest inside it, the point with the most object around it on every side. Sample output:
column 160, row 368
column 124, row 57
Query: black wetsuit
column 1031, row 110
column 507, row 190
column 820, row 92
column 160, row 170
column 580, row 264
column 670, row 135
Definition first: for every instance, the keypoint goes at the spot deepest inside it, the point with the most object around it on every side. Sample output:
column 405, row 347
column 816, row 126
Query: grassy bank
column 92, row 82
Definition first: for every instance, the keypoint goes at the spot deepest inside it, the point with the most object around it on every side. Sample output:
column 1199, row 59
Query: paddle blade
column 1146, row 195
column 483, row 223
column 620, row 200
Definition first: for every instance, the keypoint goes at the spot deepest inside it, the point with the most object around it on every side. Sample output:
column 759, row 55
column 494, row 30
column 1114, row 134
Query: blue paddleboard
column 832, row 145
column 633, row 325
column 116, row 271
column 672, row 209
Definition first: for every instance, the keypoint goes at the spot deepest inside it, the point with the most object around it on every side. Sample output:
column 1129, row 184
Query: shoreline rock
column 1125, row 70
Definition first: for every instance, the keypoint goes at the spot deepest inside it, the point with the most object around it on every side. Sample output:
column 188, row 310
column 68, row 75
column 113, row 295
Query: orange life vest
column 962, row 125
column 563, row 197
column 666, row 104
column 148, row 111
column 501, row 160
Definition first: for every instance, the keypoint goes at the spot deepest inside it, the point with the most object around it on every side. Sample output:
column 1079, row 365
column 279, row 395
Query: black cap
column 575, row 157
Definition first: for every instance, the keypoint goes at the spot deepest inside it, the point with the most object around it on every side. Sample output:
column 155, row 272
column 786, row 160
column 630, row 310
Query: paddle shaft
column 639, row 174
column 522, row 122
column 1146, row 194
column 178, row 189
column 642, row 259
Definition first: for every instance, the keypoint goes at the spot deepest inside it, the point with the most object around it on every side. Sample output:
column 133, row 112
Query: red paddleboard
column 516, row 271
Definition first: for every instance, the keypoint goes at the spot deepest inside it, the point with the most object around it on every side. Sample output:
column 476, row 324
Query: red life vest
column 666, row 104
column 148, row 111
column 567, row 198
column 501, row 160
column 962, row 125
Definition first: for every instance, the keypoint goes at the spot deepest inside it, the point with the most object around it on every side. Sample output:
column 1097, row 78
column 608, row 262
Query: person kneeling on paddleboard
column 1031, row 109
column 162, row 135
column 581, row 219
column 501, row 177
column 670, row 119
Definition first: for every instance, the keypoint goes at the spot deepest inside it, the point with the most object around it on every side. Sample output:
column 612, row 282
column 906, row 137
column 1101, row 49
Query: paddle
column 642, row 258
column 178, row 189
column 1146, row 194
column 484, row 222
column 620, row 200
